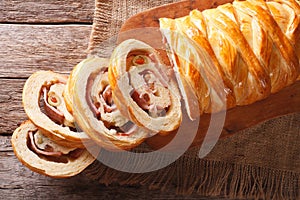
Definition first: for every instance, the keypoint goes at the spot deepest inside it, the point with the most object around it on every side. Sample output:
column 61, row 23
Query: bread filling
column 150, row 88
column 55, row 107
column 106, row 98
column 100, row 100
column 49, row 150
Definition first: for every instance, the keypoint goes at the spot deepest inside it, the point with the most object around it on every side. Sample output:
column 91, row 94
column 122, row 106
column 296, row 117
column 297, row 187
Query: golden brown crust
column 40, row 165
column 69, row 90
column 290, row 62
column 68, row 93
column 186, row 24
column 250, row 45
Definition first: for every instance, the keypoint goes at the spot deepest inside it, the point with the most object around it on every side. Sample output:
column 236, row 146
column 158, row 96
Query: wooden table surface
column 46, row 35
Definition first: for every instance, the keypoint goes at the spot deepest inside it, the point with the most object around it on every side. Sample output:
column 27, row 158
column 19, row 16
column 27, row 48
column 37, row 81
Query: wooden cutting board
column 285, row 102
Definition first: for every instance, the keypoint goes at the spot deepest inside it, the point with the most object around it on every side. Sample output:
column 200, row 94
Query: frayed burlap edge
column 213, row 176
column 189, row 174
column 207, row 178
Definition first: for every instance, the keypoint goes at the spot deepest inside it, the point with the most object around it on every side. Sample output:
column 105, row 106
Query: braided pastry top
column 252, row 46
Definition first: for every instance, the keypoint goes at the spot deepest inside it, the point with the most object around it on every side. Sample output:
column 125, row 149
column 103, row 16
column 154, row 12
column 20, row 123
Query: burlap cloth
column 262, row 162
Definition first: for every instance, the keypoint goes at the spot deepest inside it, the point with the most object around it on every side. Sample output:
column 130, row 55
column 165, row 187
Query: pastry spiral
column 45, row 156
column 143, row 87
column 44, row 104
column 251, row 46
column 95, row 111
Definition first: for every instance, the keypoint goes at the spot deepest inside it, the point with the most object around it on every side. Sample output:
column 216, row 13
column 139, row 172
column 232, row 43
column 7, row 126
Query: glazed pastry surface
column 235, row 54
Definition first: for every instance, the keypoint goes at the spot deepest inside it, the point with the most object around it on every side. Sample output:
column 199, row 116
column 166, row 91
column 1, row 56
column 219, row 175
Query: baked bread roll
column 95, row 111
column 44, row 105
column 252, row 46
column 143, row 88
column 42, row 155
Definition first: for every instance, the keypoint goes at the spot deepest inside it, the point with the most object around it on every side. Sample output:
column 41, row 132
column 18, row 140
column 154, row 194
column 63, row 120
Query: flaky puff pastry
column 143, row 87
column 235, row 54
column 52, row 159
column 95, row 111
column 44, row 104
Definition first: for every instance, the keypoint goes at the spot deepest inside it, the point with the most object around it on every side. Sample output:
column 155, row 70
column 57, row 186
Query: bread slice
column 143, row 87
column 58, row 163
column 96, row 113
column 55, row 121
